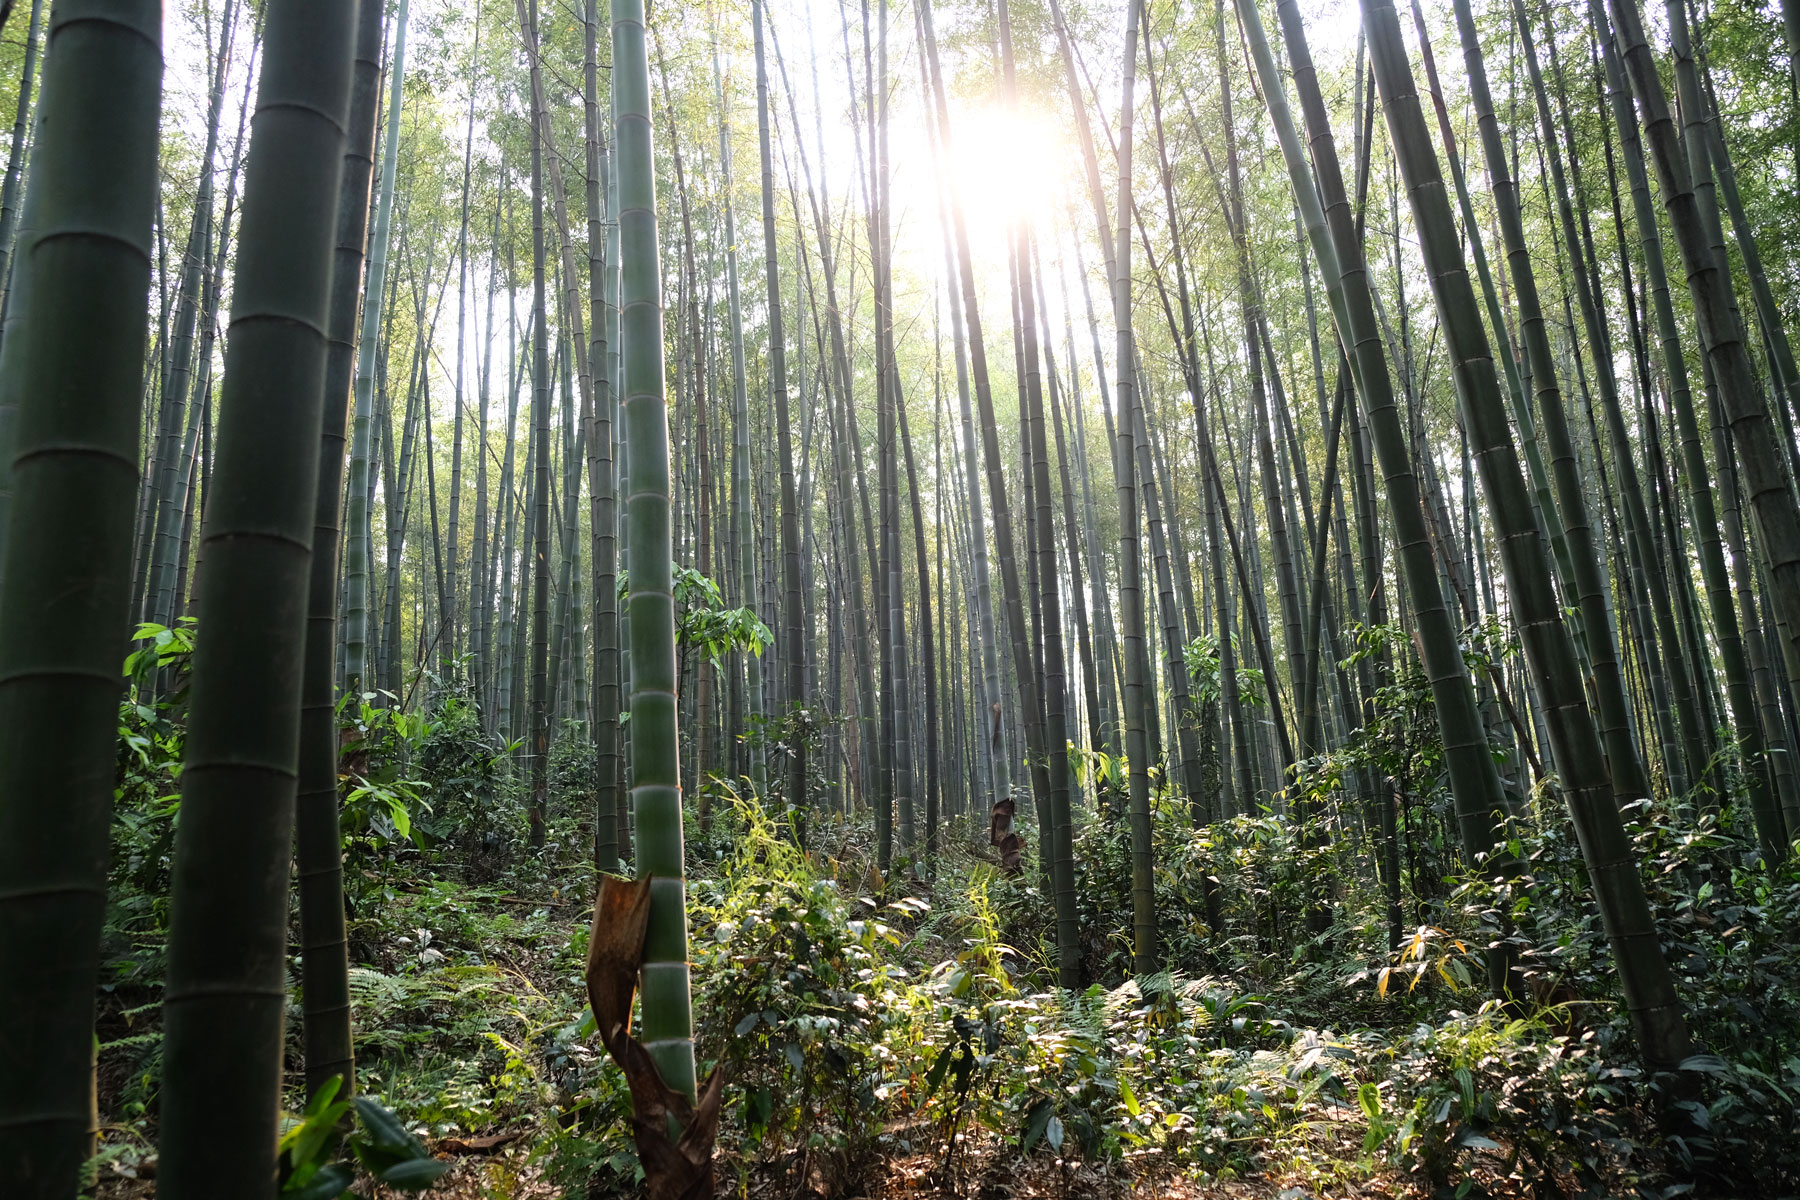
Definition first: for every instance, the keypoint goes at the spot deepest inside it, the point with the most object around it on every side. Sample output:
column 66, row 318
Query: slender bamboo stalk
column 794, row 655
column 15, row 159
column 1656, row 1011
column 982, row 640
column 1627, row 771
column 603, row 260
column 1693, row 759
column 158, row 558
column 1758, row 440
column 655, row 760
column 740, row 446
column 1696, row 477
column 703, row 671
column 356, row 515
column 1145, row 951
column 540, row 459
column 324, row 945
column 1337, row 243
column 225, row 1000
column 454, row 616
column 72, row 371
column 1022, row 658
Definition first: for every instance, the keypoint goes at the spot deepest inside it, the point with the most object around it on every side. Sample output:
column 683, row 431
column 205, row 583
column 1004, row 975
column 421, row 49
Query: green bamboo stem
column 794, row 644
column 1692, row 761
column 225, row 1001
column 1022, row 662
column 1145, row 951
column 1584, row 565
column 740, row 445
column 15, row 159
column 603, row 489
column 168, row 484
column 983, row 637
column 1338, row 246
column 71, row 373
column 1644, row 975
column 356, row 507
column 655, row 769
column 1759, row 440
column 324, row 955
column 1696, row 476
column 539, row 700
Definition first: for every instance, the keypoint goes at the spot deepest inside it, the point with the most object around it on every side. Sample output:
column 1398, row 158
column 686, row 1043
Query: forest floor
column 512, row 1155
column 1282, row 1080
column 507, row 1161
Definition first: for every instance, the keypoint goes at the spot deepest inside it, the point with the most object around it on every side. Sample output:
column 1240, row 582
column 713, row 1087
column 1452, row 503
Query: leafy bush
column 799, row 994
column 474, row 811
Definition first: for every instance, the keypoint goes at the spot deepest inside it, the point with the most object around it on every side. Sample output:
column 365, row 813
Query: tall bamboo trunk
column 481, row 591
column 1758, row 440
column 324, row 947
column 15, row 159
column 1054, row 751
column 1145, row 951
column 225, row 1000
column 703, row 672
column 1637, row 519
column 1011, row 592
column 610, row 806
column 990, row 708
column 794, row 645
column 599, row 437
column 655, row 753
column 1696, row 476
column 1644, row 974
column 838, row 406
column 356, row 515
column 82, row 279
column 454, row 615
column 1598, row 637
column 740, row 446
column 1337, row 244
column 539, row 698
column 157, row 557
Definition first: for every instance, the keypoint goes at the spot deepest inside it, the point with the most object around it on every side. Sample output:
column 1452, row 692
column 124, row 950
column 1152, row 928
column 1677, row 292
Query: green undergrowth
column 865, row 1020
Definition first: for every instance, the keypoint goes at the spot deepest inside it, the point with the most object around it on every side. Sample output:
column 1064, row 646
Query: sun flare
column 1009, row 164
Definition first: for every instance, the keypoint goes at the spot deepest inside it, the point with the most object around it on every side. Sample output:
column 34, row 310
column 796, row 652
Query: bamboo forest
column 981, row 599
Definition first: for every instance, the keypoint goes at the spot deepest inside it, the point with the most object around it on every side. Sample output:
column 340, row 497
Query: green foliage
column 1507, row 1089
column 379, row 1142
column 1725, row 921
column 801, row 992
column 152, row 738
column 856, row 1021
column 474, row 812
column 1202, row 657
column 1257, row 869
column 703, row 624
column 1096, row 768
column 380, row 795
column 426, row 781
column 776, row 734
column 1399, row 740
column 165, row 649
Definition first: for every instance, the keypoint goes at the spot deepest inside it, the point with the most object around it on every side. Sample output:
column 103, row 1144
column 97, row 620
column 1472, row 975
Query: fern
column 374, row 994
